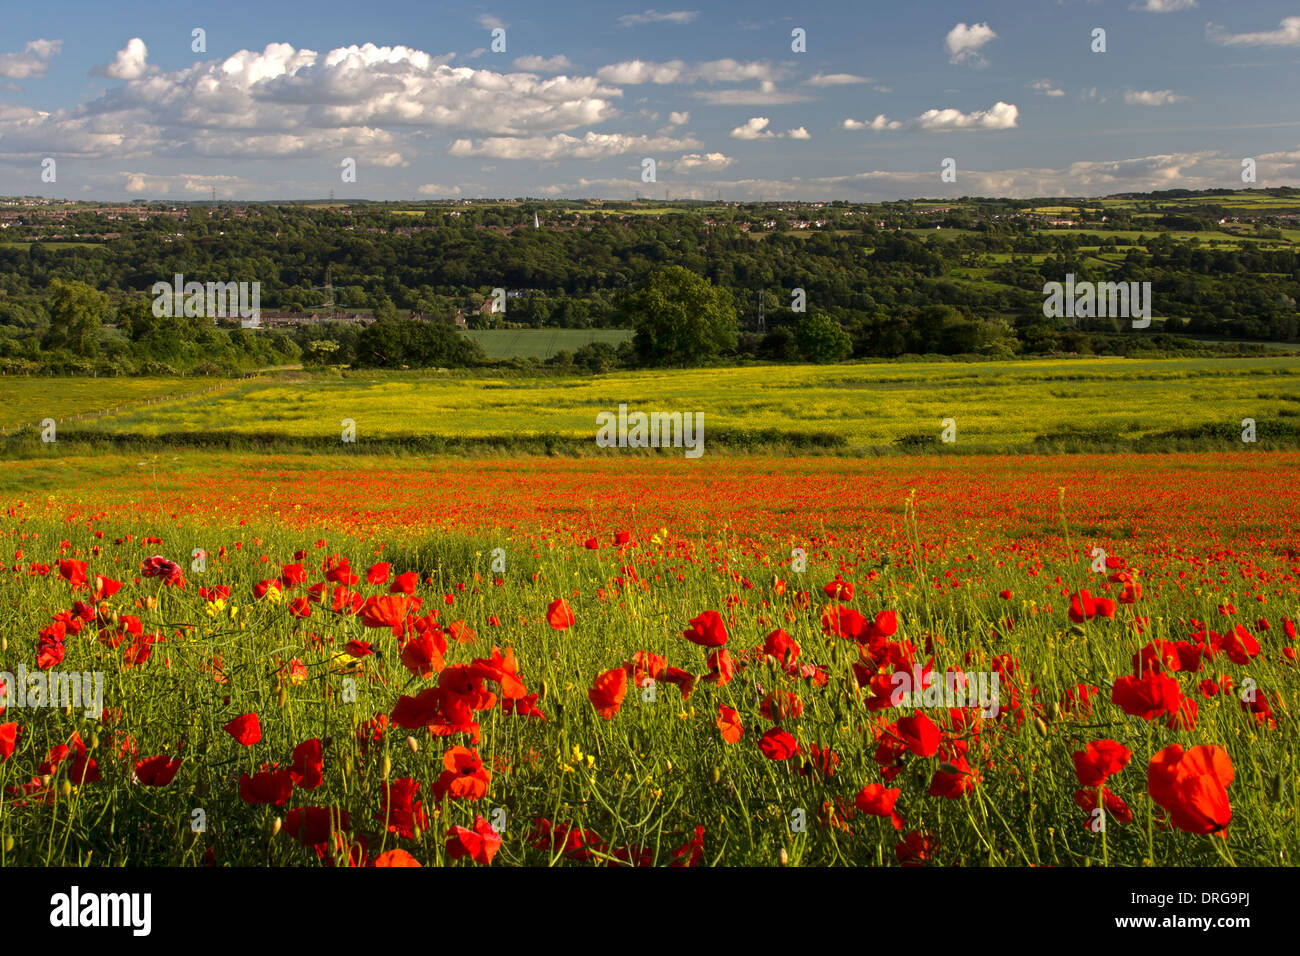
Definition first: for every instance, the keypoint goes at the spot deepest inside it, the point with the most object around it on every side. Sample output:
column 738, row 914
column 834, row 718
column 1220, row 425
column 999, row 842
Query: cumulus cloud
column 489, row 21
column 799, row 133
column 636, row 72
column 706, row 161
column 1152, row 97
column 437, row 189
column 543, row 64
column 679, row 119
column 1047, row 88
column 562, row 146
column 654, row 16
column 964, row 43
column 1287, row 34
column 880, row 122
column 129, row 64
column 1164, row 6
column 997, row 117
column 283, row 102
column 33, row 61
column 753, row 128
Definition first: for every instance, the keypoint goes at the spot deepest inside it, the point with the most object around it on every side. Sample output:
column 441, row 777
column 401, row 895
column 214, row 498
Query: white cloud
column 836, row 79
column 187, row 184
column 562, row 146
column 635, row 72
column 1152, row 97
column 33, row 61
column 437, row 189
column 286, row 102
column 799, row 133
column 1287, row 34
column 880, row 122
column 654, row 16
column 489, row 21
column 543, row 64
column 129, row 64
column 999, row 116
column 1164, row 6
column 964, row 43
column 753, row 128
column 707, row 161
column 1047, row 88
column 679, row 119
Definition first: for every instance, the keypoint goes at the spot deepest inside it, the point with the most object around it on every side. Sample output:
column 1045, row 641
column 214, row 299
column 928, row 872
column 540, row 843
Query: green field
column 542, row 343
column 1068, row 404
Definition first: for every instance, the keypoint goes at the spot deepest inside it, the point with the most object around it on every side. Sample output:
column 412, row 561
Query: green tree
column 681, row 318
column 76, row 311
column 822, row 339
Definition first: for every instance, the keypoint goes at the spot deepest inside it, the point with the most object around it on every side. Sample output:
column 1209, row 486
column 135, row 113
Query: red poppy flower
column 308, row 764
column 782, row 646
column 1192, row 785
column 398, row 857
column 246, row 729
column 378, row 573
column 919, row 735
column 607, row 692
column 463, row 776
column 1147, row 697
column 479, row 844
column 405, row 583
column 776, row 744
column 387, row 611
column 157, row 771
column 269, row 785
column 559, row 616
column 1102, row 758
column 878, row 800
column 422, row 655
column 8, row 740
column 729, row 724
column 707, row 630
column 400, row 812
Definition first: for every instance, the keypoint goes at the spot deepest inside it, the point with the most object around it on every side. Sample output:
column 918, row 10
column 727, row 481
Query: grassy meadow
column 1059, row 404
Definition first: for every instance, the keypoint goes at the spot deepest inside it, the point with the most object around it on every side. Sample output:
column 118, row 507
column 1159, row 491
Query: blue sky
column 586, row 91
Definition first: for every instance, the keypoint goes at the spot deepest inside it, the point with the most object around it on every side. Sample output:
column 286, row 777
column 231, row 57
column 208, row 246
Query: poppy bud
column 9, row 843
column 413, row 744
column 66, row 789
column 284, row 695
column 273, row 827
column 783, row 858
column 4, row 644
column 94, row 741
column 541, row 692
column 1053, row 711
column 1041, row 725
column 388, row 766
column 717, row 774
column 1077, row 630
column 1279, row 787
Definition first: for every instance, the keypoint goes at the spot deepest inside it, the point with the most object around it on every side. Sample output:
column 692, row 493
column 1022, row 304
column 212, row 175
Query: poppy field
column 626, row 662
